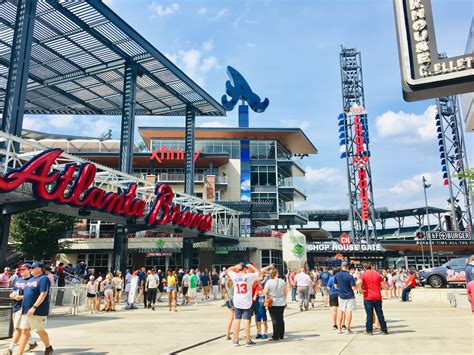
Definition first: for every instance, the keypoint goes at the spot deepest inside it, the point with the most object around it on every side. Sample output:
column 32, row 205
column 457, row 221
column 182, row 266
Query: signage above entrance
column 334, row 247
column 163, row 154
column 74, row 186
column 424, row 74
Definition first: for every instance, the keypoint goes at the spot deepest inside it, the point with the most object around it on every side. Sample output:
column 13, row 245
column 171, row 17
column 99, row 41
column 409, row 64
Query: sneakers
column 228, row 338
column 343, row 327
column 385, row 332
column 153, row 308
column 339, row 331
column 349, row 331
column 33, row 346
column 264, row 336
column 367, row 333
column 235, row 342
column 249, row 343
column 48, row 350
column 334, row 327
column 259, row 336
column 301, row 308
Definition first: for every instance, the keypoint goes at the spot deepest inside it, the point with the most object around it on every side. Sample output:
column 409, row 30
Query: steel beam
column 19, row 67
column 120, row 254
column 128, row 118
column 189, row 151
column 5, row 220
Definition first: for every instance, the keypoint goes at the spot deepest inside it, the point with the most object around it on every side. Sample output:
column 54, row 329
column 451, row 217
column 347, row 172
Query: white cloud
column 408, row 128
column 162, row 10
column 34, row 124
column 208, row 45
column 202, row 11
column 413, row 186
column 61, row 121
column 292, row 123
column 217, row 124
column 221, row 13
column 196, row 62
column 323, row 175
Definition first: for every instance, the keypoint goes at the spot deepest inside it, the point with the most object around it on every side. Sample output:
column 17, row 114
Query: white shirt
column 302, row 279
column 243, row 288
column 152, row 280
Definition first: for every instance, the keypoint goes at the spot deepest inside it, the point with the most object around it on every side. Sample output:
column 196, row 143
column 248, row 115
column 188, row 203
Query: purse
column 268, row 300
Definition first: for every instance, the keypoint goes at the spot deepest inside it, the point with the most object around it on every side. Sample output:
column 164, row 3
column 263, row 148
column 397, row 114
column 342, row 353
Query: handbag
column 268, row 300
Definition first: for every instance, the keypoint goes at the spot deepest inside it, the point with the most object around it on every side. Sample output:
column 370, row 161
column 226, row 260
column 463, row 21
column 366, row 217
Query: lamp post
column 425, row 187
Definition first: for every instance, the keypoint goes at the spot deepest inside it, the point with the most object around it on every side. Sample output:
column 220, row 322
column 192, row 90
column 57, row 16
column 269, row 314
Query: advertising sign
column 333, row 247
column 162, row 154
column 446, row 238
column 74, row 186
column 294, row 249
column 424, row 74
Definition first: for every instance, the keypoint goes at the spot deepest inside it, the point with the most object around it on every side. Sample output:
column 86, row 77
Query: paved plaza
column 415, row 327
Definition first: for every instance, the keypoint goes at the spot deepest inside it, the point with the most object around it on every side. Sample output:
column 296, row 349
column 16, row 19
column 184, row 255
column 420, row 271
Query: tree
column 37, row 234
column 468, row 175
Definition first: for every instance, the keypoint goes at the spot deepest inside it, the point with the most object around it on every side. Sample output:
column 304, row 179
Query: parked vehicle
column 450, row 273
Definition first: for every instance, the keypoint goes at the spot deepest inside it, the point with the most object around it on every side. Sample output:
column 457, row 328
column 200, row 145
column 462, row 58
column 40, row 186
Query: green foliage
column 469, row 176
column 36, row 234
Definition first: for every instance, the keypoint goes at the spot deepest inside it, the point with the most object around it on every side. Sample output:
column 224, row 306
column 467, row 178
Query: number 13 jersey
column 243, row 288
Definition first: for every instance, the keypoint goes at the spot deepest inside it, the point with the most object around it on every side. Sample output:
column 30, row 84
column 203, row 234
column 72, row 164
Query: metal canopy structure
column 78, row 57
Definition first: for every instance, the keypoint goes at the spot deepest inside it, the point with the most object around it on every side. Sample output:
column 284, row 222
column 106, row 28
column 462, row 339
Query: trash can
column 6, row 323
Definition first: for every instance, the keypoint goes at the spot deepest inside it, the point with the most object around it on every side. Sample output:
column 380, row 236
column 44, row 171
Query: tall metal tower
column 354, row 142
column 453, row 155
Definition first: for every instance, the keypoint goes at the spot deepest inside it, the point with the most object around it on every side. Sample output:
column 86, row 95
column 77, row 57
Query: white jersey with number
column 243, row 288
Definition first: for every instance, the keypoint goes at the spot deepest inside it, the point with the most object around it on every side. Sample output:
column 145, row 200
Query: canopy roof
column 294, row 139
column 78, row 56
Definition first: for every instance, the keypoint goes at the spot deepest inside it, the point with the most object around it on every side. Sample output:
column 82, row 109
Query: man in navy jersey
column 35, row 308
column 16, row 295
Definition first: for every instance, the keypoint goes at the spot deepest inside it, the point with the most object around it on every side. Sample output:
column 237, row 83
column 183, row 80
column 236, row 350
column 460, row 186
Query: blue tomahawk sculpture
column 238, row 89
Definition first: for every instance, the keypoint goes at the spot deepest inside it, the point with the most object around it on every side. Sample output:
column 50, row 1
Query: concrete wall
column 440, row 296
column 232, row 170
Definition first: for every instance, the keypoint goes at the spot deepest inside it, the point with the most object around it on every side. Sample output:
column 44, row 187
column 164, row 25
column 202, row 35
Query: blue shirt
column 260, row 304
column 215, row 280
column 332, row 289
column 18, row 286
column 469, row 273
column 344, row 282
column 324, row 278
column 33, row 288
column 204, row 280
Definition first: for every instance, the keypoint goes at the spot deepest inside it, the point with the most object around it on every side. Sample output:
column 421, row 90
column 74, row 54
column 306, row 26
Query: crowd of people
column 248, row 292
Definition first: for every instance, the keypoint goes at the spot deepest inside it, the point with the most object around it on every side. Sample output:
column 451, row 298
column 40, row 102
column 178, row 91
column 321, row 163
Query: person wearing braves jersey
column 16, row 295
column 243, row 276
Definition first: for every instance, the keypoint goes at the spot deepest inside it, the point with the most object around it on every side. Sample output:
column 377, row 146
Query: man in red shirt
column 371, row 282
column 410, row 283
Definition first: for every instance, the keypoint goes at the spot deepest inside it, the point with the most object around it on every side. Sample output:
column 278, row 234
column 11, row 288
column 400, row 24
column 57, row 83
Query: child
column 260, row 313
column 312, row 293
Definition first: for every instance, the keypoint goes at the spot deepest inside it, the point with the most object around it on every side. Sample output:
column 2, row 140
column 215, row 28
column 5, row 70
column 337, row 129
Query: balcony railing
column 288, row 182
column 222, row 180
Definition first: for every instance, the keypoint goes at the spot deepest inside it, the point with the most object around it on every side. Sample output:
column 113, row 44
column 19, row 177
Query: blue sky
column 289, row 52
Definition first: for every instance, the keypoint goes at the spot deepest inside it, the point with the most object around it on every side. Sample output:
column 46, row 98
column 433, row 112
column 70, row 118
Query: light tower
column 453, row 156
column 354, row 143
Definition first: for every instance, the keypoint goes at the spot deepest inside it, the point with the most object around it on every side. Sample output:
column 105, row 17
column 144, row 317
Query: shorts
column 215, row 288
column 243, row 313
column 91, row 295
column 324, row 290
column 346, row 305
column 192, row 292
column 229, row 304
column 334, row 300
column 16, row 319
column 171, row 288
column 312, row 296
column 261, row 316
column 34, row 322
column 185, row 290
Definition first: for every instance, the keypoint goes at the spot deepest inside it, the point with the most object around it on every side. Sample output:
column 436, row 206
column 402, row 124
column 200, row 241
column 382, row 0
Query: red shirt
column 411, row 281
column 371, row 285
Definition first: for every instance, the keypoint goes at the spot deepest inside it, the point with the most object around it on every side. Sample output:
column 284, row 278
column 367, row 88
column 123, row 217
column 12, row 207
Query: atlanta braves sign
column 74, row 187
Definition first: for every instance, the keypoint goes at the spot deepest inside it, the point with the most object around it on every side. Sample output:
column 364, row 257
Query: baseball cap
column 25, row 266
column 91, row 277
column 37, row 264
column 344, row 263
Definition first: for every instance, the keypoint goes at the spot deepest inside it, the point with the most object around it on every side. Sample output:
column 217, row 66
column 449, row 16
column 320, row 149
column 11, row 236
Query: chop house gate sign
column 74, row 187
